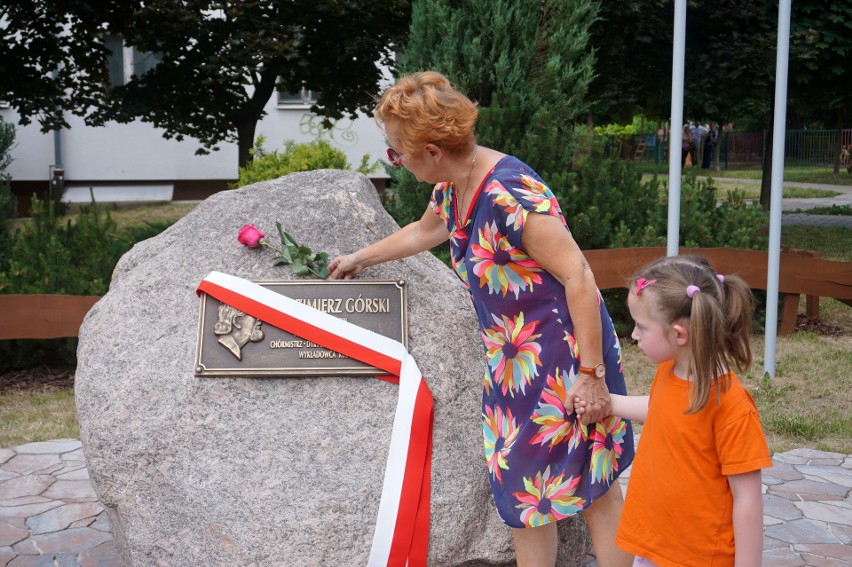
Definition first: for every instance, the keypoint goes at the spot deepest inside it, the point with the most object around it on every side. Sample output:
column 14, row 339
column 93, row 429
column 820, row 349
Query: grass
column 129, row 217
column 831, row 242
column 838, row 210
column 27, row 416
column 136, row 216
column 808, row 404
column 821, row 175
column 751, row 191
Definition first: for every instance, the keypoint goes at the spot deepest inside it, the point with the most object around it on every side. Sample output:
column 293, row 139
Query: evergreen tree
column 525, row 62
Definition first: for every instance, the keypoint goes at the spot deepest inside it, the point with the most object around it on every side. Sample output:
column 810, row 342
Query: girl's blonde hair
column 719, row 314
column 429, row 110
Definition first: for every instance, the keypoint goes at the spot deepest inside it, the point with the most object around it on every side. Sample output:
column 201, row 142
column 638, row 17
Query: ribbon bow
column 642, row 283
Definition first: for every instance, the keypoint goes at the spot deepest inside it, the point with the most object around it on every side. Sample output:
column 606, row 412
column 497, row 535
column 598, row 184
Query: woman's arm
column 416, row 237
column 748, row 518
column 550, row 244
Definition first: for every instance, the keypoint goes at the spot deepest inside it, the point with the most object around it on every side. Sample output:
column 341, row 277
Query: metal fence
column 802, row 148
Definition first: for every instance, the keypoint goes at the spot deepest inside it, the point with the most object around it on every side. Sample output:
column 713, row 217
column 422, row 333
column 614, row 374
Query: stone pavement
column 49, row 513
column 50, row 516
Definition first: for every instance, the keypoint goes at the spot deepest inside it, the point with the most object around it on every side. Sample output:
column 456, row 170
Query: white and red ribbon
column 401, row 536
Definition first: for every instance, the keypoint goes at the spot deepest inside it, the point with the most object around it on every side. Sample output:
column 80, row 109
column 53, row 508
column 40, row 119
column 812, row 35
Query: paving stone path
column 49, row 513
column 51, row 517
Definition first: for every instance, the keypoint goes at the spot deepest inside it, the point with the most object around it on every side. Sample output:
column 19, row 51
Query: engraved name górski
column 351, row 305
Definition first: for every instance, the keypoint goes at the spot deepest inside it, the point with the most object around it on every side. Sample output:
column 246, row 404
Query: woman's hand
column 411, row 239
column 344, row 267
column 590, row 398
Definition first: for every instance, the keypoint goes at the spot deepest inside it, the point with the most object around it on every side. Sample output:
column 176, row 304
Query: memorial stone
column 256, row 470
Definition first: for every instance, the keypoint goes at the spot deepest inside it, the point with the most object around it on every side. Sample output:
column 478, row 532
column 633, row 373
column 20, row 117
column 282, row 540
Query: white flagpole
column 779, row 130
column 676, row 126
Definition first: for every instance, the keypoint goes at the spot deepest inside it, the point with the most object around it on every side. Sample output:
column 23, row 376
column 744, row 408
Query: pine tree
column 528, row 65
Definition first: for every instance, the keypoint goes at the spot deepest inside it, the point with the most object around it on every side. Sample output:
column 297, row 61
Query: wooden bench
column 801, row 273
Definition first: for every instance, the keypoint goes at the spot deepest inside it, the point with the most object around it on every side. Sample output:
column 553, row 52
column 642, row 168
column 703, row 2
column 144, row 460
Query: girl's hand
column 579, row 407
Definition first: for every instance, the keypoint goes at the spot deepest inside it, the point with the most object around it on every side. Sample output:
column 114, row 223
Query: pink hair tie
column 720, row 277
column 690, row 290
column 642, row 283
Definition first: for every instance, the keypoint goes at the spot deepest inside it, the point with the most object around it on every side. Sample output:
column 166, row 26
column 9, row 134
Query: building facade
column 134, row 162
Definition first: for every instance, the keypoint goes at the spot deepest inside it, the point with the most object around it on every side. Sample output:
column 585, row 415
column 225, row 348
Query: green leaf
column 300, row 267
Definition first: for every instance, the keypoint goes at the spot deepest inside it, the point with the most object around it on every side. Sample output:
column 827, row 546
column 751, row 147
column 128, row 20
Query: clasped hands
column 590, row 399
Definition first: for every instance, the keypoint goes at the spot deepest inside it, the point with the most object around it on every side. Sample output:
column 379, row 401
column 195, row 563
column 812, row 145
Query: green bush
column 318, row 154
column 52, row 254
column 8, row 209
column 8, row 203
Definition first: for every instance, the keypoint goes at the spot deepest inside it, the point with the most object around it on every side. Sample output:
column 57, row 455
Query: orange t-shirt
column 678, row 509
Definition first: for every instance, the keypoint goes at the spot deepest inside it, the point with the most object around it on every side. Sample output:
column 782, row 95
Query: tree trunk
column 245, row 135
column 247, row 120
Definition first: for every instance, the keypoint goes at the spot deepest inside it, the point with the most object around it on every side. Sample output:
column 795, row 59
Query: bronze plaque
column 231, row 343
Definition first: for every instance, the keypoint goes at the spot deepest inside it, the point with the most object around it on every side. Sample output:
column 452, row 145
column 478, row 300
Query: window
column 115, row 59
column 141, row 61
column 305, row 97
column 144, row 61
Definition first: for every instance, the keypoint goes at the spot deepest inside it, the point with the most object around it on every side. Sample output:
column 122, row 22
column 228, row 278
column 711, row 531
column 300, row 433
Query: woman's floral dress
column 542, row 463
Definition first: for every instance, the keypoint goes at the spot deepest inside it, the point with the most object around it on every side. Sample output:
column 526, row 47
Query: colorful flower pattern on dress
column 512, row 353
column 460, row 267
column 501, row 266
column 500, row 432
column 515, row 213
column 606, row 438
column 575, row 349
column 555, row 414
column 548, row 498
column 446, row 205
column 539, row 460
column 539, row 196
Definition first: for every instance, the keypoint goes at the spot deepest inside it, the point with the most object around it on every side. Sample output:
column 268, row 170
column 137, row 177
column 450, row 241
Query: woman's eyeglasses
column 394, row 157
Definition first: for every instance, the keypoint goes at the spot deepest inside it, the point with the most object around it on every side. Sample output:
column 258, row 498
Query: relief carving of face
column 235, row 329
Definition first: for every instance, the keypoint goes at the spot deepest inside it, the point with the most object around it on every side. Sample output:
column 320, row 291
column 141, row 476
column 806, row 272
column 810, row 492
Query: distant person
column 710, row 139
column 697, row 132
column 695, row 488
column 685, row 145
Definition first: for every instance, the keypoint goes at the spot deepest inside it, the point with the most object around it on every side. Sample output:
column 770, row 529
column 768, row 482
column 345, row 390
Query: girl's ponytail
column 739, row 307
column 707, row 340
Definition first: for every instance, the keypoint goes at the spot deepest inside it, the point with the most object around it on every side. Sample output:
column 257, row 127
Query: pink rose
column 250, row 236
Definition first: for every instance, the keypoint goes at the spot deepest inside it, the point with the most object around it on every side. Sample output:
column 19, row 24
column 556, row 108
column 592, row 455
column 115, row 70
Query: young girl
column 695, row 491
